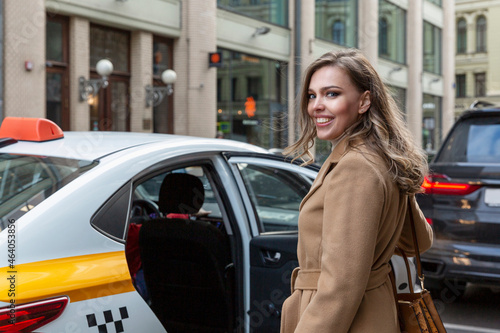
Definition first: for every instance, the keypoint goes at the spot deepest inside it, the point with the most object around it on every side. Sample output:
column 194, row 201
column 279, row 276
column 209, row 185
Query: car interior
column 185, row 270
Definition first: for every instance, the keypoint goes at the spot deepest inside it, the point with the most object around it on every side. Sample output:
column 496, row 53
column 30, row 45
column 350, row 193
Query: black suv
column 462, row 202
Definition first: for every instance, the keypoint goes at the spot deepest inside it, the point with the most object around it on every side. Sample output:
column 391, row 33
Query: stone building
column 50, row 46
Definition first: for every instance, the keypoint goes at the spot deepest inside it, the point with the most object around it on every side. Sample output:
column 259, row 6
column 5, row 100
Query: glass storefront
column 432, row 48
column 251, row 99
column 337, row 21
column 392, row 32
column 272, row 11
column 432, row 122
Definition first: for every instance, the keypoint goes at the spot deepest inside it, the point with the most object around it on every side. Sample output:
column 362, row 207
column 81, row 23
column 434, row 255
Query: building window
column 432, row 48
column 338, row 32
column 163, row 118
column 480, row 84
column 56, row 54
column 461, row 36
column 460, row 85
column 392, row 34
column 436, row 2
column 432, row 122
column 252, row 105
column 272, row 11
column 481, row 34
column 109, row 109
column 383, row 36
column 337, row 21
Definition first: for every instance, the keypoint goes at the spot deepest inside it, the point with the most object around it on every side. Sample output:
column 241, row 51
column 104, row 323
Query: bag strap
column 415, row 244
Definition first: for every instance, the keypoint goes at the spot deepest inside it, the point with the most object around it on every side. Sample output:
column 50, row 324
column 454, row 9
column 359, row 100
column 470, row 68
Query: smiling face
column 334, row 103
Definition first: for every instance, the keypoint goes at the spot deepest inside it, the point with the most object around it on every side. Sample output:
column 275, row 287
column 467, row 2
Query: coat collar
column 340, row 150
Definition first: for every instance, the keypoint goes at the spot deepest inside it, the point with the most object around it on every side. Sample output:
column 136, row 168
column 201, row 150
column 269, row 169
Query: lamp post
column 88, row 88
column 155, row 95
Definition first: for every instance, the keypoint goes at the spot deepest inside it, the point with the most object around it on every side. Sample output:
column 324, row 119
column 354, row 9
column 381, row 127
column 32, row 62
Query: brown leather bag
column 416, row 310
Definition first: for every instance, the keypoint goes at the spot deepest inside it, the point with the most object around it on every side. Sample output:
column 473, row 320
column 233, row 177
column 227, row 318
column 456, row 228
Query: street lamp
column 90, row 87
column 155, row 95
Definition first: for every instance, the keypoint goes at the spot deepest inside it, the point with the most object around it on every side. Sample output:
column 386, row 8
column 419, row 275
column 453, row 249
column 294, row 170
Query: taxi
column 69, row 202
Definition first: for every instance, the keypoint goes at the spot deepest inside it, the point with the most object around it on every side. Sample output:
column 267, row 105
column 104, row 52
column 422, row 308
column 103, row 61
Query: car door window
column 276, row 195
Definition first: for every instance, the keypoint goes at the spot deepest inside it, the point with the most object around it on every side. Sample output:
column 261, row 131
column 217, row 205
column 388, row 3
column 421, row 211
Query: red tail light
column 29, row 316
column 432, row 185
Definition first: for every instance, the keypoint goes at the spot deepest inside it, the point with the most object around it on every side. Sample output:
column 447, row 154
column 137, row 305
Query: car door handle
column 271, row 257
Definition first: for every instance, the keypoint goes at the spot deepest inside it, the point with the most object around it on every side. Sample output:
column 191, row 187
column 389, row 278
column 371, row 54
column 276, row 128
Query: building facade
column 477, row 60
column 238, row 62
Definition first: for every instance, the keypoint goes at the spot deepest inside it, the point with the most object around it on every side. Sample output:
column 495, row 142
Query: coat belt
column 307, row 279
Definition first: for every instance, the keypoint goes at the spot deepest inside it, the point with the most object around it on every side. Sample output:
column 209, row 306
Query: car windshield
column 474, row 140
column 27, row 180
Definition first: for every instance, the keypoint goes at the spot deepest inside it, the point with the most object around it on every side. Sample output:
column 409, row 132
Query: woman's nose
column 318, row 104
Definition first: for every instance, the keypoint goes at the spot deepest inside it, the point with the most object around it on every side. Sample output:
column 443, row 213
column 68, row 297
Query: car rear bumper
column 464, row 262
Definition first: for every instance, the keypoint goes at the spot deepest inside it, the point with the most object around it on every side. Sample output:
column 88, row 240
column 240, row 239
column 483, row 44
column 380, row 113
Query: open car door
column 272, row 191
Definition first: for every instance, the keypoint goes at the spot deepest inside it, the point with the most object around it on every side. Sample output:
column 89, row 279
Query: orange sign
column 250, row 107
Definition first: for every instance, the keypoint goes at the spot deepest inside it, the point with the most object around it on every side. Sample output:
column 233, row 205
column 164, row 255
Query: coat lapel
column 328, row 165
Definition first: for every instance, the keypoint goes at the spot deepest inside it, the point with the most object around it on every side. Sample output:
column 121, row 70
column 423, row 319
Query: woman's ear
column 364, row 102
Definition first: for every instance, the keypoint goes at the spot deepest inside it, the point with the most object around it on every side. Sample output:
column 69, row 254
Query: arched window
column 383, row 36
column 338, row 32
column 481, row 34
column 461, row 36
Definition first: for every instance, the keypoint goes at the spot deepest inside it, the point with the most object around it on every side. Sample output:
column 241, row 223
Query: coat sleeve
column 422, row 228
column 353, row 207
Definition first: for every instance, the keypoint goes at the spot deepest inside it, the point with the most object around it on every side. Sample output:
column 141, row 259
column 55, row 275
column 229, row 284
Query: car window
column 276, row 195
column 149, row 190
column 25, row 181
column 474, row 140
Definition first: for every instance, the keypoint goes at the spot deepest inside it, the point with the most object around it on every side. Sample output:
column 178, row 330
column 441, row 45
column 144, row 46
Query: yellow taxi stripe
column 80, row 278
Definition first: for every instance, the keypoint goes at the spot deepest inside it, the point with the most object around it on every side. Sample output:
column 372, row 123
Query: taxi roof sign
column 30, row 129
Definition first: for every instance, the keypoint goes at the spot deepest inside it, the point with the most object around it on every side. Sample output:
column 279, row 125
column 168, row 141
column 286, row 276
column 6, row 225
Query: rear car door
column 272, row 190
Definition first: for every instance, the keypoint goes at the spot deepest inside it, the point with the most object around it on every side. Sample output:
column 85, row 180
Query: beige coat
column 349, row 225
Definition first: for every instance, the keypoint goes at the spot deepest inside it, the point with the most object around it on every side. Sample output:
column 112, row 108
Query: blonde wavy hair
column 382, row 128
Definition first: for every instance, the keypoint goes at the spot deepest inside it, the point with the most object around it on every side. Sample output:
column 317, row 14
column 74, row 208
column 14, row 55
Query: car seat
column 185, row 262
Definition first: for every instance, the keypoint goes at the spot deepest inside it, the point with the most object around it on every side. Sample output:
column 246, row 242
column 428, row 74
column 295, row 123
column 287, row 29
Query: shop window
column 251, row 104
column 56, row 53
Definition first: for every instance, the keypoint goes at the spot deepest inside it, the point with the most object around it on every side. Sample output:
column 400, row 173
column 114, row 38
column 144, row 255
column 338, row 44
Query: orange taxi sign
column 30, row 129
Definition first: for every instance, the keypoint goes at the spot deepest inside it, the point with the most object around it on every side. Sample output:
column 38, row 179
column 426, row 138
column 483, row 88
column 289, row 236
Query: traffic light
column 215, row 59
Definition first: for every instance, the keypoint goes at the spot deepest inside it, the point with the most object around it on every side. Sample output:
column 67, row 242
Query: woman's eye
column 311, row 96
column 331, row 94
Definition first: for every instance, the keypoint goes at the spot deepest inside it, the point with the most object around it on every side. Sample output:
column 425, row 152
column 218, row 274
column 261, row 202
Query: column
column 79, row 66
column 448, row 65
column 195, row 104
column 24, row 58
column 368, row 30
column 414, row 53
column 141, row 64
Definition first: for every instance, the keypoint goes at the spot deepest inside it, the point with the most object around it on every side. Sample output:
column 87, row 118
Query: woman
column 356, row 212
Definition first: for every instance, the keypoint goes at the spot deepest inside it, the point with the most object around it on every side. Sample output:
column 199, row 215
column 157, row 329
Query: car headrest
column 181, row 193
